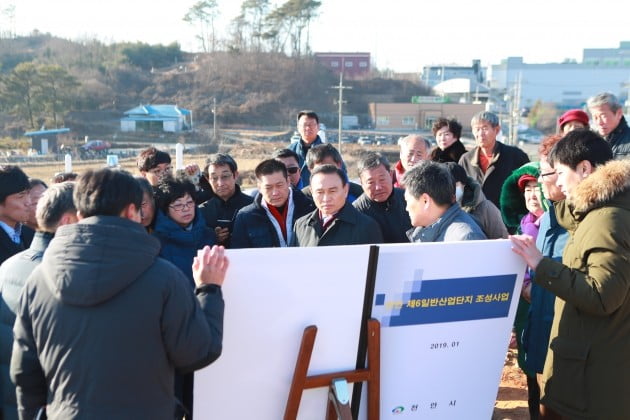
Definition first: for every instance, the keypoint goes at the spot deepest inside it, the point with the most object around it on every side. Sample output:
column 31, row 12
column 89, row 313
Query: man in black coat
column 491, row 161
column 219, row 211
column 335, row 221
column 608, row 119
column 15, row 202
column 380, row 200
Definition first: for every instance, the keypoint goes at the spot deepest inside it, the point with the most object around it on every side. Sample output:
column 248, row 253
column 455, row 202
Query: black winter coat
column 619, row 140
column 103, row 323
column 391, row 215
column 348, row 228
column 8, row 248
column 253, row 229
column 505, row 159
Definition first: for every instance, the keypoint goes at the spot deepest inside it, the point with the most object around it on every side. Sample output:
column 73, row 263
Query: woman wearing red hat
column 571, row 120
column 521, row 208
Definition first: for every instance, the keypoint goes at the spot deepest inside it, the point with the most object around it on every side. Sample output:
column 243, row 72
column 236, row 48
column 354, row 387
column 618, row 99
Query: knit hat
column 511, row 200
column 573, row 115
column 12, row 180
column 523, row 180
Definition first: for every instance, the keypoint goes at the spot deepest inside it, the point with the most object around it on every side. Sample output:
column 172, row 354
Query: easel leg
column 301, row 370
column 374, row 365
column 338, row 406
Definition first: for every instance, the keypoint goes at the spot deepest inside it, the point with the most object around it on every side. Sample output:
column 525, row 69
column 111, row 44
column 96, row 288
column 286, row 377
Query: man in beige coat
column 586, row 372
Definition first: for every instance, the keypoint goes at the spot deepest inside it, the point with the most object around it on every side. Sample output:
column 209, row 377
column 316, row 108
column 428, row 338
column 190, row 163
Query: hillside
column 251, row 89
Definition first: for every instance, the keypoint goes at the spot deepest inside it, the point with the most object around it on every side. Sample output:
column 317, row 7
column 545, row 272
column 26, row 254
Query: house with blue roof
column 168, row 118
column 46, row 141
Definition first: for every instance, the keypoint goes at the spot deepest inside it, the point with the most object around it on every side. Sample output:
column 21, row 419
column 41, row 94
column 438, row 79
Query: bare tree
column 203, row 14
column 291, row 21
column 238, row 35
column 254, row 13
column 8, row 24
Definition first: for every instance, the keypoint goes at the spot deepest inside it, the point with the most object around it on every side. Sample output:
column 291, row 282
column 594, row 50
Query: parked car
column 94, row 149
column 364, row 141
column 381, row 140
column 96, row 145
column 530, row 135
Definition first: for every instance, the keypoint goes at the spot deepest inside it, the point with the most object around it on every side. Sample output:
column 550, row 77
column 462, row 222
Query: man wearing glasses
column 307, row 126
column 219, row 211
column 292, row 161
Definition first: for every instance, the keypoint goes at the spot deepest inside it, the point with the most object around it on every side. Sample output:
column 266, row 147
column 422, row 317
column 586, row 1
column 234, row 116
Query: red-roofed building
column 353, row 64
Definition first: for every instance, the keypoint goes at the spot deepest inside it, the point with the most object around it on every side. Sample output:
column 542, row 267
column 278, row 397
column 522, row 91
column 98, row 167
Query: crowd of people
column 110, row 283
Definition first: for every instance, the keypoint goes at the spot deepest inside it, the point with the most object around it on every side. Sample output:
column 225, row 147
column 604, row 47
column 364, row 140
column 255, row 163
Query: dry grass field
column 246, row 155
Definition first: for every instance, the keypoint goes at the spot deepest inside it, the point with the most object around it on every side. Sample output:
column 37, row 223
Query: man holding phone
column 222, row 172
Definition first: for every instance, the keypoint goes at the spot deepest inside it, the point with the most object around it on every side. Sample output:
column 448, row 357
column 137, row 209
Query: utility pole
column 214, row 120
column 515, row 105
column 627, row 103
column 340, row 101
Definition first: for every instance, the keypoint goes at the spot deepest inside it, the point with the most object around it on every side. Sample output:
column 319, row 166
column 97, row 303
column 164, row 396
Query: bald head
column 413, row 149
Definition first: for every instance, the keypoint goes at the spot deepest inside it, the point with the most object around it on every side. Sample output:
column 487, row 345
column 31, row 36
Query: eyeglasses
column 547, row 174
column 293, row 170
column 182, row 206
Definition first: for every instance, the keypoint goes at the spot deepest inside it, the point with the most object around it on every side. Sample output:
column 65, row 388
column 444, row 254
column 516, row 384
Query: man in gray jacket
column 103, row 323
column 436, row 216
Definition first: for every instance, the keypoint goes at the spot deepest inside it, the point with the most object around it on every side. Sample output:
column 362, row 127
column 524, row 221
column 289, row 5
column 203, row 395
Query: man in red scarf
column 413, row 149
column 268, row 221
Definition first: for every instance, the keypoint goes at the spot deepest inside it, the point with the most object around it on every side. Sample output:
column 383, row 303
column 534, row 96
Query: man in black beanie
column 14, row 205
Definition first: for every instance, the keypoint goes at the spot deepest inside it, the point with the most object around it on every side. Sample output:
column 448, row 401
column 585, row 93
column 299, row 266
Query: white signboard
column 271, row 295
column 446, row 313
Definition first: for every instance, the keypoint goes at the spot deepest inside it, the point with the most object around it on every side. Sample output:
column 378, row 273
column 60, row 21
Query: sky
column 401, row 35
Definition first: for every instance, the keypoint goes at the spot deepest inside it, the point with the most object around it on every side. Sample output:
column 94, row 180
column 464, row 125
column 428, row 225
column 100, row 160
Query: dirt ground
column 511, row 402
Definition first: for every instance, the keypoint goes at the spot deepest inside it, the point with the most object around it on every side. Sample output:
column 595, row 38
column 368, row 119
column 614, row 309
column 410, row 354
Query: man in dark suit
column 15, row 202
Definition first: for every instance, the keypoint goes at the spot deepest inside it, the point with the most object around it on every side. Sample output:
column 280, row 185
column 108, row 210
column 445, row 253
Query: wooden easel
column 338, row 398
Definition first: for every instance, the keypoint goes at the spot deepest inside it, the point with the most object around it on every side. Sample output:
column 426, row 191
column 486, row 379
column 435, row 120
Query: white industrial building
column 567, row 85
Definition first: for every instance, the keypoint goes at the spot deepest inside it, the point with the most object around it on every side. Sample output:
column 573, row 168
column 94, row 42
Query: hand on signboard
column 525, row 246
column 210, row 266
